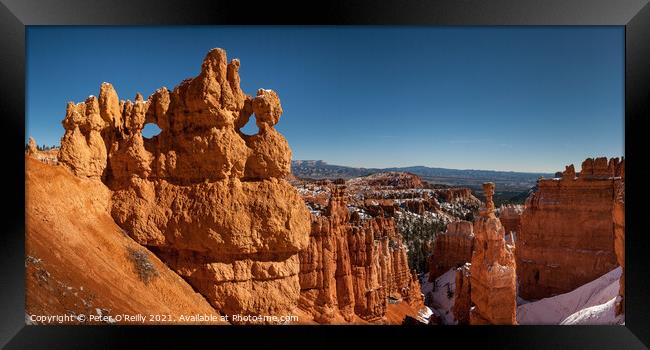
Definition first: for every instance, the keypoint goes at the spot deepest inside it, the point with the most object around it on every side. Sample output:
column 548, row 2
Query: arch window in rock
column 150, row 130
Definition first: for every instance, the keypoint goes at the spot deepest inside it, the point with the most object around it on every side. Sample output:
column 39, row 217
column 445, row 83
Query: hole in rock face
column 150, row 130
column 250, row 128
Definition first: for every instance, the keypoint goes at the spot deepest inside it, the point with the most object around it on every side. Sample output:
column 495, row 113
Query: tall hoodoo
column 209, row 200
column 493, row 272
column 567, row 230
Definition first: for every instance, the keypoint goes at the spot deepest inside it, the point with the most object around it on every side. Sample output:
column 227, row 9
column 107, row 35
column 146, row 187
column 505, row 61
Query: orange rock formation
column 567, row 230
column 619, row 235
column 493, row 271
column 451, row 249
column 351, row 266
column 212, row 202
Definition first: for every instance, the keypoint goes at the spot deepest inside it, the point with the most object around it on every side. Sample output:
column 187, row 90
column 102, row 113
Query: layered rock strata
column 210, row 201
column 451, row 249
column 352, row 265
column 493, row 270
column 567, row 230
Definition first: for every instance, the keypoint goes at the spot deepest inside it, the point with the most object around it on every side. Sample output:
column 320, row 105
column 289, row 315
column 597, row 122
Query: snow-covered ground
column 592, row 303
column 438, row 298
column 596, row 315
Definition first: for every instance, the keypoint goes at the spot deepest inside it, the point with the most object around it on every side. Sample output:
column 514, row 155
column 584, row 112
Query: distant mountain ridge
column 505, row 180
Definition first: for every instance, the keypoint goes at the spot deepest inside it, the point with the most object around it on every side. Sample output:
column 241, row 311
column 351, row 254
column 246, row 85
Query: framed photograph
column 432, row 172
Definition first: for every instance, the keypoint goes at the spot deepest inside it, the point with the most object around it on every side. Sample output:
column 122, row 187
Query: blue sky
column 494, row 98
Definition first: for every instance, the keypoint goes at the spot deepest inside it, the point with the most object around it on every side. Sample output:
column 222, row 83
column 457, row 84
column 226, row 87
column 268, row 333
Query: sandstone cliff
column 451, row 249
column 493, row 270
column 211, row 202
column 567, row 230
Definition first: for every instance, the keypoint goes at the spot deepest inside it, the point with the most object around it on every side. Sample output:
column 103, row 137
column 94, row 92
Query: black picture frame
column 15, row 15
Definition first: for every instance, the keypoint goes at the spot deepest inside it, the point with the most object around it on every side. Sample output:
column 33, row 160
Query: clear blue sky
column 501, row 98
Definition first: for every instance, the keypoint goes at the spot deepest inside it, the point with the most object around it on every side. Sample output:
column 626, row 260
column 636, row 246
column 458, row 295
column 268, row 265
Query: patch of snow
column 424, row 314
column 596, row 315
column 555, row 310
column 438, row 299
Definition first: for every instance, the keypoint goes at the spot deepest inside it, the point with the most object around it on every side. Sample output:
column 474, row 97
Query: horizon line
column 426, row 166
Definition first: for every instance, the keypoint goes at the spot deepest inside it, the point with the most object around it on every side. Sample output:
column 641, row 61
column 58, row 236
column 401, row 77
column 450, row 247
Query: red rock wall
column 451, row 249
column 567, row 230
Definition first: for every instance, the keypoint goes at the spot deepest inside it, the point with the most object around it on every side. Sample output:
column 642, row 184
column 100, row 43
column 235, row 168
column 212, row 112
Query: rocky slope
column 79, row 262
column 567, row 230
